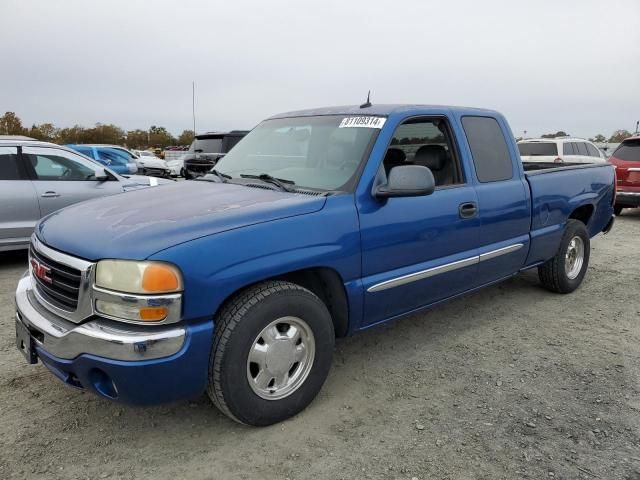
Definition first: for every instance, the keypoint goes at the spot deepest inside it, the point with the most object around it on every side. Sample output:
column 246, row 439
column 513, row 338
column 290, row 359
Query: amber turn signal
column 160, row 278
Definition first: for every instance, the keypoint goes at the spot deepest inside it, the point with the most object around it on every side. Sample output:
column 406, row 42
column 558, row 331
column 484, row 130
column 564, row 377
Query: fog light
column 132, row 312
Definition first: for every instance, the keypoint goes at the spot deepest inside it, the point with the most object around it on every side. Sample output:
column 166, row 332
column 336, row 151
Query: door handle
column 468, row 210
column 50, row 194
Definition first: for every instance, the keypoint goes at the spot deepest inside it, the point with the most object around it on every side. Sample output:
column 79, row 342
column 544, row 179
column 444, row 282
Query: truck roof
column 381, row 109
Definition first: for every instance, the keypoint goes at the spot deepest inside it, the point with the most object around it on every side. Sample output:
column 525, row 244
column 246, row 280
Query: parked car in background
column 318, row 224
column 38, row 178
column 149, row 164
column 207, row 149
column 117, row 158
column 626, row 159
column 559, row 150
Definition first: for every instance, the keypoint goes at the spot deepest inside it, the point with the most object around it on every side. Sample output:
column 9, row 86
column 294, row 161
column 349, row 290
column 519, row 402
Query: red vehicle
column 626, row 158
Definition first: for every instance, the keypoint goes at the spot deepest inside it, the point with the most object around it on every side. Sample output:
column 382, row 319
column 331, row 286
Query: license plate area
column 25, row 343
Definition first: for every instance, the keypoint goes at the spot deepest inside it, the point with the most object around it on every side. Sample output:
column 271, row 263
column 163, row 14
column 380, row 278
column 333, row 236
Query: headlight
column 138, row 277
column 138, row 291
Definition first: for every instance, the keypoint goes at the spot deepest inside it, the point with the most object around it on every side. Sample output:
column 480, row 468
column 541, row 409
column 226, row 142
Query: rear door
column 503, row 198
column 62, row 178
column 19, row 210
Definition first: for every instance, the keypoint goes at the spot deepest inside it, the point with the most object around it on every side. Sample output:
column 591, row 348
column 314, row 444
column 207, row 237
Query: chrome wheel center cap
column 280, row 356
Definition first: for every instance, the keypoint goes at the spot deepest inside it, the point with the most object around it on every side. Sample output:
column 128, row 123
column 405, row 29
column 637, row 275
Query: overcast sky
column 547, row 65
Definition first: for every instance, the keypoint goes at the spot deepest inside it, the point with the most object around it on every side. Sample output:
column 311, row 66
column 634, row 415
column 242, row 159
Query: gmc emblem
column 41, row 271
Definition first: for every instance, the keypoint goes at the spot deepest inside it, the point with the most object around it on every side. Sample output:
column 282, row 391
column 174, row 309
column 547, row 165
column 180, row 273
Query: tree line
column 10, row 124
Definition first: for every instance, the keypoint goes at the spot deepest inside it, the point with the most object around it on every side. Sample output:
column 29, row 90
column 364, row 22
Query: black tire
column 617, row 209
column 552, row 273
column 237, row 326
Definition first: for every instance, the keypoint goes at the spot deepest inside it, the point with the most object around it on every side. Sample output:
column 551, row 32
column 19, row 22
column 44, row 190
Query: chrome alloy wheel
column 280, row 358
column 574, row 258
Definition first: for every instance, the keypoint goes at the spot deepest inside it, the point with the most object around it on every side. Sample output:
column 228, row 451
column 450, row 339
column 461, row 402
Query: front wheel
column 566, row 270
column 617, row 209
column 271, row 353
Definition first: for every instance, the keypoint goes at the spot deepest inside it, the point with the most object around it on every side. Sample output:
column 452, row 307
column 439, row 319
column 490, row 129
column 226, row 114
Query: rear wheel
column 617, row 210
column 566, row 270
column 271, row 354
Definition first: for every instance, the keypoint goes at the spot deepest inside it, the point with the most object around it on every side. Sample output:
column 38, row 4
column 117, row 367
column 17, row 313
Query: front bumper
column 631, row 199
column 128, row 363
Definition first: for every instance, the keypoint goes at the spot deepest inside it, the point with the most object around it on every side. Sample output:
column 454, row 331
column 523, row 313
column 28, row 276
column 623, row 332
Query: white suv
column 559, row 150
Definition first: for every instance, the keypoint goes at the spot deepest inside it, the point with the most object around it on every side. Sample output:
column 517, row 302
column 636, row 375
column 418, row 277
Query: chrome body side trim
column 430, row 272
column 633, row 169
column 447, row 267
column 622, row 193
column 501, row 251
column 101, row 337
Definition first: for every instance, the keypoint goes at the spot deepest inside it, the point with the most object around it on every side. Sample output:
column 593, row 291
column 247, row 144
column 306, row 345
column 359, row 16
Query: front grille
column 64, row 288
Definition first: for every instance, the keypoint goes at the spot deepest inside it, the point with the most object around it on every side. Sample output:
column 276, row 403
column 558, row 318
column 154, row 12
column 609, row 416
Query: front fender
column 217, row 266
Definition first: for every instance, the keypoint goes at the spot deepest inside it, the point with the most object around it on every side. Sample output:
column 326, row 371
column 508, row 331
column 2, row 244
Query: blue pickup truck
column 318, row 224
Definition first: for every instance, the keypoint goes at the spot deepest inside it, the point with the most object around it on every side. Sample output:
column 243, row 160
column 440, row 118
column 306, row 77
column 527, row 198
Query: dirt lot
column 511, row 382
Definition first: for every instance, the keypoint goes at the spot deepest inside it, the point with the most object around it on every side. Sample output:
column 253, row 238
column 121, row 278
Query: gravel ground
column 510, row 382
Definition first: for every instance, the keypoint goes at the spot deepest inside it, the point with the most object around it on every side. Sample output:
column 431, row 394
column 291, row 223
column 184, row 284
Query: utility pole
column 193, row 105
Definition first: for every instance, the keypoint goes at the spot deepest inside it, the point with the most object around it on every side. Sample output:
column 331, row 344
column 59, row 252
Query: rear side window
column 538, row 149
column 488, row 149
column 629, row 151
column 567, row 149
column 9, row 169
column 85, row 151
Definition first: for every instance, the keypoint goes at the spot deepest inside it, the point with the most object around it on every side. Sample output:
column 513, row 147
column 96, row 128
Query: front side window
column 55, row 164
column 582, row 149
column 593, row 151
column 425, row 142
column 488, row 149
column 9, row 168
column 316, row 152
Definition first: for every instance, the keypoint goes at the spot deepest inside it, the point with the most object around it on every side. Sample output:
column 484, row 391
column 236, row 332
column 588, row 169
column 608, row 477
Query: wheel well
column 327, row 285
column 582, row 213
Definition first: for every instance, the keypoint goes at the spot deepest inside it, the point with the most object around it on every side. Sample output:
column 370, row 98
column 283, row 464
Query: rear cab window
column 489, row 149
column 538, row 149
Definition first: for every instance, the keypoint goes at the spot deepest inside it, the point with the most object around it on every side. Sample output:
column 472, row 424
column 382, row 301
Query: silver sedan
column 38, row 178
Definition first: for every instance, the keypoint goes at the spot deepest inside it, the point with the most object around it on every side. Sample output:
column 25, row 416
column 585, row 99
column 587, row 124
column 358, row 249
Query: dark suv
column 206, row 149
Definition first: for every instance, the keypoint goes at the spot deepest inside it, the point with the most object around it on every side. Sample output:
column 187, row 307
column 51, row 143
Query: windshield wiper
column 281, row 183
column 224, row 178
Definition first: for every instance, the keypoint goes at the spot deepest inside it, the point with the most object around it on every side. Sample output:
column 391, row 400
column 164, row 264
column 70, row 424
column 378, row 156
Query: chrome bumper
column 100, row 337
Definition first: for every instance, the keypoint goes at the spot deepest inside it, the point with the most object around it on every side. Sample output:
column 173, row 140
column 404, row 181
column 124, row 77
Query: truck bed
column 557, row 192
column 542, row 167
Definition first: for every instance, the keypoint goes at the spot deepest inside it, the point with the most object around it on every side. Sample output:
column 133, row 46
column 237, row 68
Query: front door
column 419, row 250
column 62, row 178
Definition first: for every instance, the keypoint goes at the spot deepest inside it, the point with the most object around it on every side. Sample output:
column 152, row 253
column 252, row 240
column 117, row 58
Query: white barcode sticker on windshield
column 364, row 122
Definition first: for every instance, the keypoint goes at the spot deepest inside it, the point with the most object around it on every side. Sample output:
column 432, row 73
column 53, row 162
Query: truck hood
column 137, row 224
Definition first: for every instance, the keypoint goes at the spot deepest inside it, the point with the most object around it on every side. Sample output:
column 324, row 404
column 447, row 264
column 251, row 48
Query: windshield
column 536, row 149
column 322, row 152
column 206, row 145
column 114, row 156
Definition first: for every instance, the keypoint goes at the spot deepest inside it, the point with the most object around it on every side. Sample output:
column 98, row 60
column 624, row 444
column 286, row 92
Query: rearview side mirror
column 101, row 175
column 407, row 181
